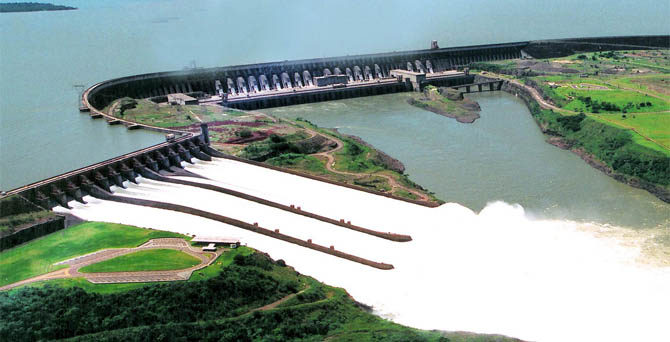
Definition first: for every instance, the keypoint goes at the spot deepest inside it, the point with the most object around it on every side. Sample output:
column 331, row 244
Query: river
column 501, row 156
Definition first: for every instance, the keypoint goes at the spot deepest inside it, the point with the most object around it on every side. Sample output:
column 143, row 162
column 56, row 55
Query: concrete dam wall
column 272, row 84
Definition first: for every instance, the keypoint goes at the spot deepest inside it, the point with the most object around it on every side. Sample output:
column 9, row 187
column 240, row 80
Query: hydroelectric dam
column 186, row 159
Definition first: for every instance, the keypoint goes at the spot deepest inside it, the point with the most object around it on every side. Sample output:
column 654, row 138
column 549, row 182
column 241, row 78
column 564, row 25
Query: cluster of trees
column 596, row 106
column 276, row 146
column 50, row 313
column 571, row 123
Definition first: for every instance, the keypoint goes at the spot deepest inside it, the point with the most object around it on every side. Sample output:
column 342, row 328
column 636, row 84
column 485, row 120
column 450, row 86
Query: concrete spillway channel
column 97, row 192
column 295, row 210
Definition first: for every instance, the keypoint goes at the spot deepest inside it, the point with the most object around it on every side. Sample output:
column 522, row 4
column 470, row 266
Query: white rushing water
column 493, row 272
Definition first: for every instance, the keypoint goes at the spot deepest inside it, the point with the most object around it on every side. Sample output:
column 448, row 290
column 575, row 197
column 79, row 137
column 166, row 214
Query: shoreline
column 454, row 104
column 562, row 143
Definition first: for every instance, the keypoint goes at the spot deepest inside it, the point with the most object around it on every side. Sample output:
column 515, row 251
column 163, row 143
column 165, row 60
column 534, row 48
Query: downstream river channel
column 501, row 156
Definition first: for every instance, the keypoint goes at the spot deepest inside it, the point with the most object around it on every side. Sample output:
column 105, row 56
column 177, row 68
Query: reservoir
column 502, row 157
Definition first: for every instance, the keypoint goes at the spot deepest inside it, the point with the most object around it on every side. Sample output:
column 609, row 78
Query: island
column 32, row 7
column 448, row 102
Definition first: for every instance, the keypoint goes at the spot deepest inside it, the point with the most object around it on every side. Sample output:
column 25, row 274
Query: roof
column 184, row 97
column 215, row 239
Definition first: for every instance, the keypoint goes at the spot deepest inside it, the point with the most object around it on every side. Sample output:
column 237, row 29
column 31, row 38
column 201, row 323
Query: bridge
column 491, row 84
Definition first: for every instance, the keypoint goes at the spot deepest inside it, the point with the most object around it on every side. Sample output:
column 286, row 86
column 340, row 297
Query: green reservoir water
column 500, row 157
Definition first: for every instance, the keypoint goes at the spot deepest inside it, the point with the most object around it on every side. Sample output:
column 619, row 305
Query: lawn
column 658, row 85
column 211, row 271
column 147, row 260
column 38, row 256
column 656, row 126
column 628, row 100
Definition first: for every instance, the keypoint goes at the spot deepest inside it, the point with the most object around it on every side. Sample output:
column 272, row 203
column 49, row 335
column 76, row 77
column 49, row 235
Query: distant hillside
column 31, row 7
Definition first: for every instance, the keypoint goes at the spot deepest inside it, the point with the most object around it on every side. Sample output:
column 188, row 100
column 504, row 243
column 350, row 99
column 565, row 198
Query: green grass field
column 656, row 126
column 211, row 271
column 148, row 260
column 38, row 256
column 151, row 113
column 636, row 102
column 654, row 84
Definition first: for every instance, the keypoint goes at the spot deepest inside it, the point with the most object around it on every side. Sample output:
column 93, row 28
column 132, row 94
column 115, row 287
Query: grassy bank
column 616, row 147
column 613, row 109
column 149, row 260
column 38, row 256
column 230, row 306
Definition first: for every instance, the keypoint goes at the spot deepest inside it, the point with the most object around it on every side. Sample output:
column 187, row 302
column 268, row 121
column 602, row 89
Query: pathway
column 330, row 164
column 547, row 105
column 206, row 258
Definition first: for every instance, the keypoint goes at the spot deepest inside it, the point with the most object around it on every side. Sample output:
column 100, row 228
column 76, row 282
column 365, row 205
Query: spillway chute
column 286, row 80
column 326, row 72
column 219, row 88
column 409, row 66
column 368, row 73
column 358, row 74
column 337, row 71
column 276, row 82
column 307, row 78
column 263, row 80
column 242, row 85
column 231, row 87
column 350, row 75
column 253, row 84
column 378, row 71
column 298, row 81
column 419, row 66
column 429, row 66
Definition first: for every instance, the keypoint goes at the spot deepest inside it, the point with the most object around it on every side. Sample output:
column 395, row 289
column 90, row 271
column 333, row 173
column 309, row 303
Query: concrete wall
column 31, row 232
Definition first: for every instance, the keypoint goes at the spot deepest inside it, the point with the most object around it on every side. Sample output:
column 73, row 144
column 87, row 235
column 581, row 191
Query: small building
column 323, row 81
column 411, row 78
column 209, row 248
column 181, row 99
column 217, row 240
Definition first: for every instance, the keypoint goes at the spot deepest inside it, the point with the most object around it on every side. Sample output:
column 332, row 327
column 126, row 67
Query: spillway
column 493, row 272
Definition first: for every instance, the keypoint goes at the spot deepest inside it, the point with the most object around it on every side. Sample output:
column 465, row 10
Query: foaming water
column 496, row 271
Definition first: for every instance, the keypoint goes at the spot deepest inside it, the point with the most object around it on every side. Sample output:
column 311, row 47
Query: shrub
column 245, row 133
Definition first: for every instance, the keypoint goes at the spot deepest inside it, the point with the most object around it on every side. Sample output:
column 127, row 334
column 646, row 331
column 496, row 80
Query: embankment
column 607, row 148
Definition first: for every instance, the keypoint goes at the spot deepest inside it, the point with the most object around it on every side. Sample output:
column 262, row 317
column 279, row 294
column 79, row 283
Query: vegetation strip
column 388, row 236
column 99, row 193
column 325, row 180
